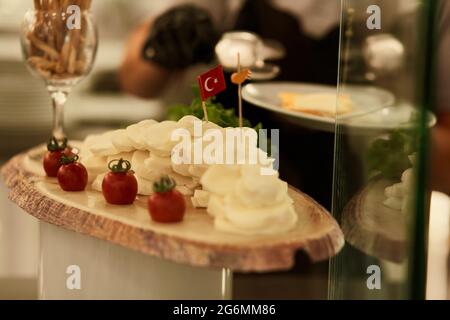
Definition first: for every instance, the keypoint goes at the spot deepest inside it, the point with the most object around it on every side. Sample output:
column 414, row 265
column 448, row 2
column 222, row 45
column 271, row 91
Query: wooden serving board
column 373, row 228
column 195, row 241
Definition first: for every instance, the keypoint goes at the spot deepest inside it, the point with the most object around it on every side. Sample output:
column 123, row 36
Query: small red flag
column 212, row 82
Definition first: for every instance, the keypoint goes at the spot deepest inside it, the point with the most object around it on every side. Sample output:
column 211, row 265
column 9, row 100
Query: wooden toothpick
column 205, row 112
column 239, row 78
column 241, row 122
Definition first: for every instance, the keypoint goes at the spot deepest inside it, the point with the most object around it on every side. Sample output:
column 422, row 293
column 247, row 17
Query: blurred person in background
column 166, row 52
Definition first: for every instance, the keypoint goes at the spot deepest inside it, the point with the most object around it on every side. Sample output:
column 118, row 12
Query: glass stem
column 59, row 99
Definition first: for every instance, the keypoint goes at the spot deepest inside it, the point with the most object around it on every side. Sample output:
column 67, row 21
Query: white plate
column 366, row 100
column 388, row 119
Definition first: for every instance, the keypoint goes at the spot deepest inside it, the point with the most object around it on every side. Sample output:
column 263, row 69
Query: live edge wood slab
column 194, row 241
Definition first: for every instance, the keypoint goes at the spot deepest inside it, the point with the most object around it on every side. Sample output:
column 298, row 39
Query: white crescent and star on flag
column 209, row 89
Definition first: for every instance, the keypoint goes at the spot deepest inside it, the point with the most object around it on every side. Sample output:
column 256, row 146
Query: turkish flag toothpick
column 211, row 83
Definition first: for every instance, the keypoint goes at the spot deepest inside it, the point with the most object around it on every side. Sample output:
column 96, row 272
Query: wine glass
column 59, row 44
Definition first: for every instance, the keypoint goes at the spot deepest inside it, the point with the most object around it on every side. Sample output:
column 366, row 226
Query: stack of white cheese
column 245, row 202
column 239, row 197
column 147, row 145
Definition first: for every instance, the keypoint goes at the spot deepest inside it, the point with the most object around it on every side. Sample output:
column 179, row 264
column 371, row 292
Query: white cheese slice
column 187, row 182
column 216, row 206
column 90, row 140
column 102, row 145
column 196, row 126
column 220, row 179
column 121, row 141
column 200, row 199
column 182, row 169
column 156, row 166
column 145, row 187
column 197, row 170
column 94, row 165
column 136, row 131
column 189, row 122
column 138, row 163
column 158, row 138
column 185, row 191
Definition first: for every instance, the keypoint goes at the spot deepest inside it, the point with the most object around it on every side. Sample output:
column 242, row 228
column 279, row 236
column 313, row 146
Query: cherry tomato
column 72, row 176
column 52, row 162
column 166, row 205
column 52, row 159
column 120, row 186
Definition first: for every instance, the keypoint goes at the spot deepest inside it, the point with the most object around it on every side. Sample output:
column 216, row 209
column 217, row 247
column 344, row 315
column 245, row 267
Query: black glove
column 183, row 36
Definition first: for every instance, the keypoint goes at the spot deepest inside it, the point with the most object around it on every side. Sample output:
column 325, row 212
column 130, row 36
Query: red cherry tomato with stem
column 120, row 186
column 52, row 159
column 166, row 205
column 72, row 176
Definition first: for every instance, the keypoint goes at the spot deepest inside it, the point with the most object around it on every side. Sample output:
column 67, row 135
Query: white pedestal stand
column 108, row 271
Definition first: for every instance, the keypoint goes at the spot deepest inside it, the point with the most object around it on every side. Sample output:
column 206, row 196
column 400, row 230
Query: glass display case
column 380, row 194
